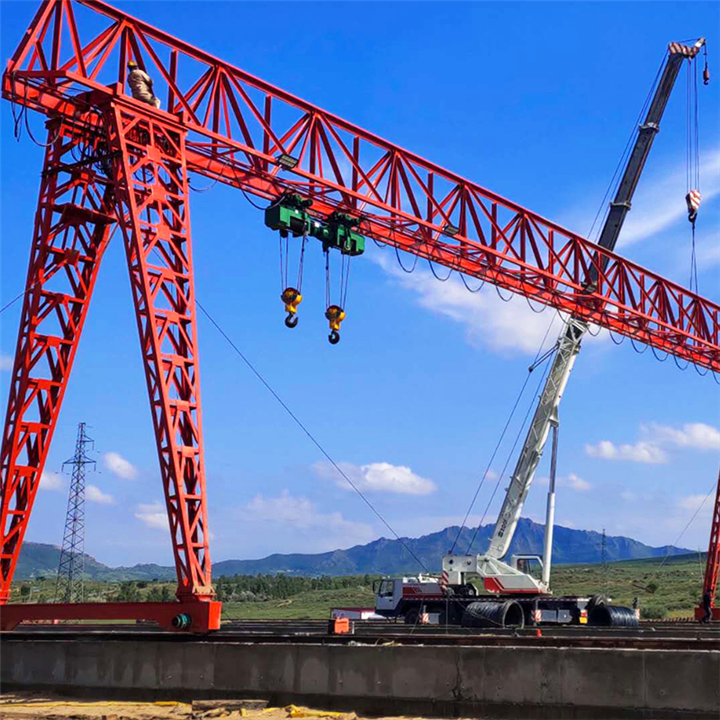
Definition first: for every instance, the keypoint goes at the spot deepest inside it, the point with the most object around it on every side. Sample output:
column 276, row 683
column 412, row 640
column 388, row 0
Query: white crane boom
column 497, row 575
column 545, row 414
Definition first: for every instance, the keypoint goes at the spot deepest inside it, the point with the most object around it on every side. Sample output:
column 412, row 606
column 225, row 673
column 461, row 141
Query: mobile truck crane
column 512, row 596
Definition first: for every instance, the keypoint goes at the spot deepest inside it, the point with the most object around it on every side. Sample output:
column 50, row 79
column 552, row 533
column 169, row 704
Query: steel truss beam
column 238, row 126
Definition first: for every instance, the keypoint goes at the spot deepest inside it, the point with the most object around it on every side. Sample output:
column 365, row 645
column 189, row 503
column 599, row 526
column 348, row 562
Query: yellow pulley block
column 335, row 315
column 291, row 298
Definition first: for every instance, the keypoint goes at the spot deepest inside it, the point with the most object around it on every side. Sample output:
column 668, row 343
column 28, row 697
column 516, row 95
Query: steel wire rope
column 502, row 436
column 497, row 290
column 713, row 487
column 437, row 277
column 397, row 255
column 542, row 309
column 509, row 457
column 468, row 288
column 307, row 432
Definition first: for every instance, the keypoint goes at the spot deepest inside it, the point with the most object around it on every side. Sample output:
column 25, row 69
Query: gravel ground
column 19, row 706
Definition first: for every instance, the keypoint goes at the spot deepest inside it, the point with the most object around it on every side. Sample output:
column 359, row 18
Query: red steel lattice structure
column 712, row 568
column 126, row 164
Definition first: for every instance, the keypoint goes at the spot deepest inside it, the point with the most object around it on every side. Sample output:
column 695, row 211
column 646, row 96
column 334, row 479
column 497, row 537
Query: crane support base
column 700, row 614
column 198, row 617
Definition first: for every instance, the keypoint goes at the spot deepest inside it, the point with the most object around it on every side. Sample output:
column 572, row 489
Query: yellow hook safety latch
column 292, row 298
column 335, row 315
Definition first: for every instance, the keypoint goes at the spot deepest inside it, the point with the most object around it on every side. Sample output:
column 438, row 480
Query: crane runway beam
column 245, row 132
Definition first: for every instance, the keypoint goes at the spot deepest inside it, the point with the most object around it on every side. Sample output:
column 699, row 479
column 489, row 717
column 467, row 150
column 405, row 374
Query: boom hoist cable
column 290, row 215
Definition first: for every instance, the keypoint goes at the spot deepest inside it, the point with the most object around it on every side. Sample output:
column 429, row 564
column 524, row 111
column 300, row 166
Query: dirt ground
column 16, row 706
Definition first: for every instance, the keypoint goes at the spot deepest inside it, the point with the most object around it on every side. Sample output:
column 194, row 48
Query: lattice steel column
column 152, row 206
column 73, row 224
column 70, row 585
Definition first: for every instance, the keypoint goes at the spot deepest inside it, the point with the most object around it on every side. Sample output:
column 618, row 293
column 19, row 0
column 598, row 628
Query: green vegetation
column 664, row 590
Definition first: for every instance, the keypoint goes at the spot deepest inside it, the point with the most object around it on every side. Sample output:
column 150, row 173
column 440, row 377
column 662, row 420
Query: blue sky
column 533, row 101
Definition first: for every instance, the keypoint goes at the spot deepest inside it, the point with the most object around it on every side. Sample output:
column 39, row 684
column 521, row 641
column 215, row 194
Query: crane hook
column 291, row 298
column 335, row 315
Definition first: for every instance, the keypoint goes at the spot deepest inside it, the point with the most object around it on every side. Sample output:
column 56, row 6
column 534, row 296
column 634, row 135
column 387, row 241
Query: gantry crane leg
column 73, row 224
column 154, row 215
column 139, row 182
column 712, row 568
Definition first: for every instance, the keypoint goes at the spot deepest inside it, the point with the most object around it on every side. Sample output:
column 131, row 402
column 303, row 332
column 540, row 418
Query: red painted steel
column 203, row 616
column 238, row 126
column 227, row 125
column 151, row 192
column 712, row 567
column 73, row 224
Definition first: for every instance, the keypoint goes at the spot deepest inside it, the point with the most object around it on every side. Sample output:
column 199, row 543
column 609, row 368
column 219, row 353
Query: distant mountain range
column 381, row 556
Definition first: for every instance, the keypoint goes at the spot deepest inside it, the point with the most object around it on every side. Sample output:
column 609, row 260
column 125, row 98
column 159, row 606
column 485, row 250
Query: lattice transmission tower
column 70, row 585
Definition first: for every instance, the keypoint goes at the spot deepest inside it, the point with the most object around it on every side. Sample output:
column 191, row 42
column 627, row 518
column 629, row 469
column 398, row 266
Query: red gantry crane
column 112, row 161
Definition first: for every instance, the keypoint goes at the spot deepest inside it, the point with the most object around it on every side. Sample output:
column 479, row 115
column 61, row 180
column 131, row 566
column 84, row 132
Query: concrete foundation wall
column 477, row 681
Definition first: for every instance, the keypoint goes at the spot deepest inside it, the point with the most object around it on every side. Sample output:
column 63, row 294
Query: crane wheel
column 291, row 320
column 412, row 617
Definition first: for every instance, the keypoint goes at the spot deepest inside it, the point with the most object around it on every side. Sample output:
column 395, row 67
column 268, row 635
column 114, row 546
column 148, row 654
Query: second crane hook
column 335, row 315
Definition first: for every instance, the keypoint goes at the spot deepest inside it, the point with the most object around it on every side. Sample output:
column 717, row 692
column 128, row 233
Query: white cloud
column 708, row 251
column 119, row 466
column 376, row 477
column 661, row 203
column 51, row 481
column 640, row 452
column 507, row 327
column 154, row 515
column 6, row 362
column 698, row 436
column 694, row 503
column 571, row 481
column 300, row 515
column 577, row 483
column 96, row 495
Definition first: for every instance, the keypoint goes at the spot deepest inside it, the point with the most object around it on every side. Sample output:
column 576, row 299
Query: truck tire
column 489, row 614
column 412, row 617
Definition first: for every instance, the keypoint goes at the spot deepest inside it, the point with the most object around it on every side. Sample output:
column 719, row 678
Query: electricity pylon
column 70, row 585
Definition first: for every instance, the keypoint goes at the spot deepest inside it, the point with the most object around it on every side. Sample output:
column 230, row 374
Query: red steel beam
column 201, row 616
column 712, row 567
column 237, row 126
